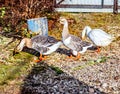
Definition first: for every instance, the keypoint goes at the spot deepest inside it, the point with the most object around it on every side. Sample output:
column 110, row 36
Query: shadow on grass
column 44, row 79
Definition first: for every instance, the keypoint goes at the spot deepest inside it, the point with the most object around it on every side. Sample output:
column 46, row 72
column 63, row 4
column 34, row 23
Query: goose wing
column 40, row 48
column 75, row 38
column 99, row 37
column 77, row 44
column 44, row 41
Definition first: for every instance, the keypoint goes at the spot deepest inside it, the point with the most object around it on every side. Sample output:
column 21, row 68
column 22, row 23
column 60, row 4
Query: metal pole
column 102, row 3
column 115, row 7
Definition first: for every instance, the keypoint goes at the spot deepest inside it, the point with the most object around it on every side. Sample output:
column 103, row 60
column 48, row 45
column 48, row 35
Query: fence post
column 115, row 7
column 102, row 3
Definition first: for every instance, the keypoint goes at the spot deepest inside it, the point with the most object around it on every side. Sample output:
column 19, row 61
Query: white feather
column 67, row 41
column 98, row 36
column 85, row 49
column 53, row 48
column 21, row 45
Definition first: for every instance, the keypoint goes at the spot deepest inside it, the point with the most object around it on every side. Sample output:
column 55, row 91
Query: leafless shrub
column 18, row 11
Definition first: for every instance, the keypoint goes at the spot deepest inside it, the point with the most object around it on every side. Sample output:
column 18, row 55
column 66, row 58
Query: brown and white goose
column 74, row 43
column 45, row 45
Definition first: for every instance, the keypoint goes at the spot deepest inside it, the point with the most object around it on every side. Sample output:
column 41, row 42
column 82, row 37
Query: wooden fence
column 87, row 5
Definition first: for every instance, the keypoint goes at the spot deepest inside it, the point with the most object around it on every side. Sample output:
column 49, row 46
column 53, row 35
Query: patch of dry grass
column 77, row 21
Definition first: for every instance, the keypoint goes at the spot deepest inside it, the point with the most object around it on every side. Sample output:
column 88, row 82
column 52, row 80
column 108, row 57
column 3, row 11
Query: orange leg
column 44, row 58
column 98, row 50
column 70, row 57
column 77, row 57
column 40, row 58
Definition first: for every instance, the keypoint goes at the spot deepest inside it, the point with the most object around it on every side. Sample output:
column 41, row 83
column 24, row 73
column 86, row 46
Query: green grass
column 56, row 69
column 18, row 65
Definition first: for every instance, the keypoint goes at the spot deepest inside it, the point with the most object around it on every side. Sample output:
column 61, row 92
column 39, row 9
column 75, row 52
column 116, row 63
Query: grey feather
column 77, row 44
column 42, row 43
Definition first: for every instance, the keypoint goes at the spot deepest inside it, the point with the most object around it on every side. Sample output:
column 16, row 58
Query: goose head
column 65, row 31
column 86, row 30
column 63, row 20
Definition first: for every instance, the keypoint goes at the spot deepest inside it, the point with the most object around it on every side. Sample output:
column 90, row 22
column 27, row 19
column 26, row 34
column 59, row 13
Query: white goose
column 45, row 45
column 74, row 43
column 97, row 36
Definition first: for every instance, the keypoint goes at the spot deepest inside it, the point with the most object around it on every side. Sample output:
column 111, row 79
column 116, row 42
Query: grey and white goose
column 45, row 45
column 74, row 43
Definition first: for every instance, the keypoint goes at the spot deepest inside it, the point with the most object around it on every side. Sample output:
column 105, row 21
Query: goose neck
column 88, row 30
column 65, row 32
column 28, row 42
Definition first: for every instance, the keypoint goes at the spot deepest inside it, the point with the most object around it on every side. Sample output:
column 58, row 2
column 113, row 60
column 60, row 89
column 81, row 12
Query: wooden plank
column 84, row 6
